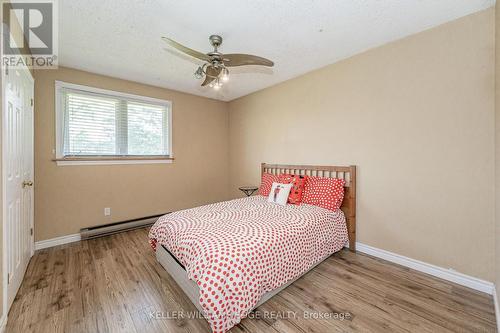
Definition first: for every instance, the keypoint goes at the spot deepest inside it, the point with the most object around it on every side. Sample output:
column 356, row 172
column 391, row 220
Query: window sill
column 111, row 160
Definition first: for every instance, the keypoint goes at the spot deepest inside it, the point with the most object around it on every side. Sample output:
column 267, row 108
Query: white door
column 17, row 175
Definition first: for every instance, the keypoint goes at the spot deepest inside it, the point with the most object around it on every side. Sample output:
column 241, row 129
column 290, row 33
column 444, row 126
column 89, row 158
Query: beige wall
column 417, row 117
column 68, row 198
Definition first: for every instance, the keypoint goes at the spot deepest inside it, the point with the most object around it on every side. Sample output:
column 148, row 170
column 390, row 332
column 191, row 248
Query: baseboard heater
column 116, row 227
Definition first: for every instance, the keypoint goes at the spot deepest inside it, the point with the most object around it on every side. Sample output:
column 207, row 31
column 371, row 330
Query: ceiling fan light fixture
column 217, row 84
column 225, row 75
column 199, row 73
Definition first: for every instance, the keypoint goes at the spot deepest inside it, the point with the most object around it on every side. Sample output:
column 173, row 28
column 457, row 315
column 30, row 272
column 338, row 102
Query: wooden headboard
column 348, row 173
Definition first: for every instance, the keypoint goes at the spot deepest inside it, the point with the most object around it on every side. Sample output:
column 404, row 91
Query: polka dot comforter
column 240, row 249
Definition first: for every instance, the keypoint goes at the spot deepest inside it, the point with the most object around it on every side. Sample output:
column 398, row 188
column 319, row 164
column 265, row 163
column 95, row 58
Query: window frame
column 62, row 160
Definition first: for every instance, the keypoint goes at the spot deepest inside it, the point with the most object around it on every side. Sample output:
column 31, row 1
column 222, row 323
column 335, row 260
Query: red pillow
column 266, row 183
column 324, row 192
column 298, row 183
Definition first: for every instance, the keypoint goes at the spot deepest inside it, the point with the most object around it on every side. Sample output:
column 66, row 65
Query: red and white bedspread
column 240, row 249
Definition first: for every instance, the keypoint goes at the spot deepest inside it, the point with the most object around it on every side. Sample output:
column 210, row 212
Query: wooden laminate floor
column 114, row 284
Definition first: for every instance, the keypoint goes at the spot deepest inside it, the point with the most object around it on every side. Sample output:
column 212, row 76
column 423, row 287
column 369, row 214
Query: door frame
column 25, row 71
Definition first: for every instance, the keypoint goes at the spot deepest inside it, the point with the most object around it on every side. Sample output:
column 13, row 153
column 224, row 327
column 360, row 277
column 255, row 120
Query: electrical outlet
column 107, row 211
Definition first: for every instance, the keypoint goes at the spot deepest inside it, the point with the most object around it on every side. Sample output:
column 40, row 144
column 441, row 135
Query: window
column 110, row 127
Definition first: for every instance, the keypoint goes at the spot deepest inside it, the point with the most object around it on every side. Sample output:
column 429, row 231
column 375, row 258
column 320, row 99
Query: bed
column 230, row 257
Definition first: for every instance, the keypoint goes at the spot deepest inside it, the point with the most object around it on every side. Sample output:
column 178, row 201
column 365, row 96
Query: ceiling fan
column 214, row 70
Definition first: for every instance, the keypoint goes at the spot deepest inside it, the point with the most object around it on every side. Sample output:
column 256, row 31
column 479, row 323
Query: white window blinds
column 102, row 124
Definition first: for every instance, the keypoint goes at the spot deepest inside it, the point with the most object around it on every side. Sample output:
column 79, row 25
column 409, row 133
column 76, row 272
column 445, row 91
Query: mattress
column 236, row 251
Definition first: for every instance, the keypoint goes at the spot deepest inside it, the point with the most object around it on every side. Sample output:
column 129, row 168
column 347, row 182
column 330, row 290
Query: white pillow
column 279, row 193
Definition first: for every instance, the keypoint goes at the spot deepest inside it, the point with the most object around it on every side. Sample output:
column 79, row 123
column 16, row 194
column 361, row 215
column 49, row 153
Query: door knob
column 27, row 183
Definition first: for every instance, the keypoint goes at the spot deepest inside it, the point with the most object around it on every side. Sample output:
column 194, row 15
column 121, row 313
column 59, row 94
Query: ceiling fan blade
column 212, row 71
column 186, row 50
column 237, row 59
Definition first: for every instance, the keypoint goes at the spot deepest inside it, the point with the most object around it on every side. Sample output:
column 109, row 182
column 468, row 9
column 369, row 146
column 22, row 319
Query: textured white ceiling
column 122, row 38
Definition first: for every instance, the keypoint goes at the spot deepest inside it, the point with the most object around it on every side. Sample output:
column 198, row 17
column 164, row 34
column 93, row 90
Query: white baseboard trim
column 443, row 273
column 497, row 308
column 57, row 241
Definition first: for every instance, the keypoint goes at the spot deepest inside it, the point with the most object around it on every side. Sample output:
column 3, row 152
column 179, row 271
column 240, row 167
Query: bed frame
column 348, row 173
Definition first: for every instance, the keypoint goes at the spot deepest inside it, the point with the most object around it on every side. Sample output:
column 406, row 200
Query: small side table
column 248, row 190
